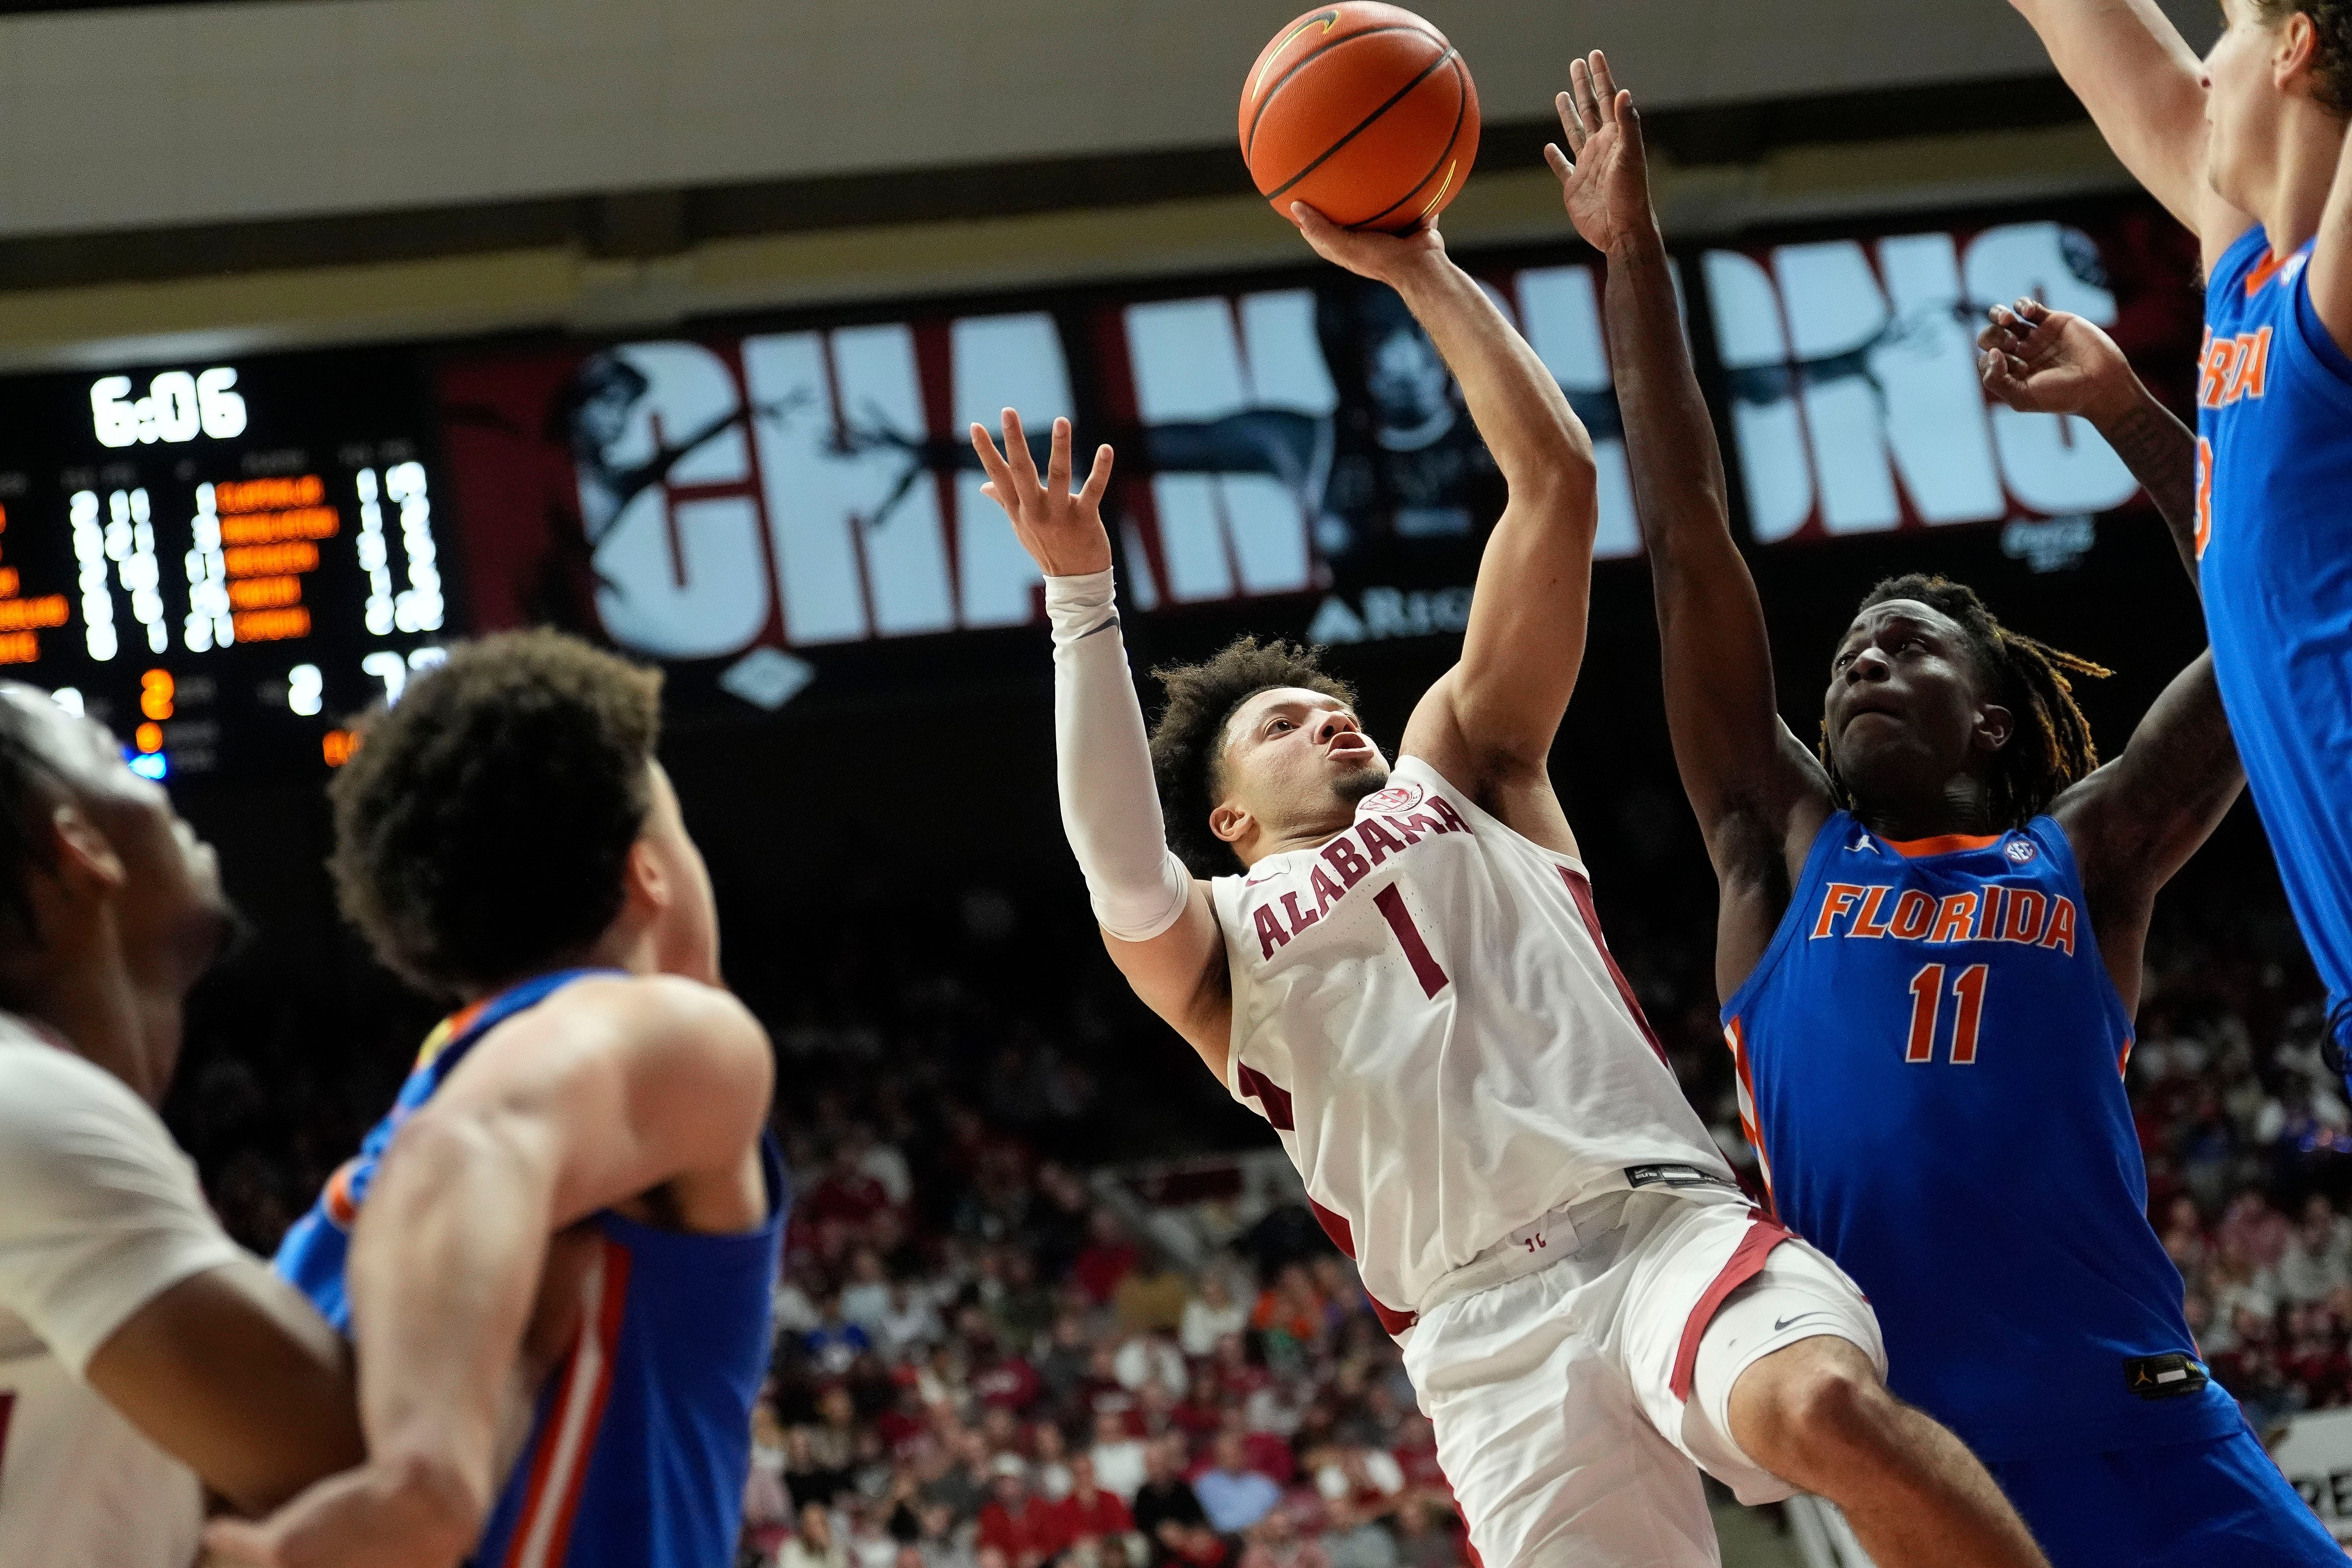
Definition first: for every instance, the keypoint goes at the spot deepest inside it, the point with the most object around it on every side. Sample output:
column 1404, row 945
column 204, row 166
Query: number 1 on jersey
column 1928, row 1005
column 1390, row 901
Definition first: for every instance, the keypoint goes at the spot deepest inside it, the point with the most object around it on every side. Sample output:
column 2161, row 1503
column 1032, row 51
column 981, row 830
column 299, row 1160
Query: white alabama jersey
column 100, row 1213
column 1425, row 1013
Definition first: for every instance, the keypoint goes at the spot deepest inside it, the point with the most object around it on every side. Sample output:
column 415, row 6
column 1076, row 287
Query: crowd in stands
column 986, row 1359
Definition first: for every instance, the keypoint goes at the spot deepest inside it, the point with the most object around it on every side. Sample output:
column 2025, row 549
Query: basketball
column 1363, row 111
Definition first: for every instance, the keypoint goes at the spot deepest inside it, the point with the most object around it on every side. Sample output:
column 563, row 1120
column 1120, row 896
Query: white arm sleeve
column 1110, row 807
column 100, row 1212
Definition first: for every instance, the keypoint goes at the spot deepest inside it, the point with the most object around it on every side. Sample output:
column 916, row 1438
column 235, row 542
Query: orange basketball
column 1364, row 112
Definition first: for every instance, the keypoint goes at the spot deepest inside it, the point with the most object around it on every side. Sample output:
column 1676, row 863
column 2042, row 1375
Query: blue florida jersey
column 641, row 1437
column 2274, row 562
column 1930, row 1062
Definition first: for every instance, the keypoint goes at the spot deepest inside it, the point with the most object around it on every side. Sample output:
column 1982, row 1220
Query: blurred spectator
column 1108, row 1257
column 1209, row 1315
column 1147, row 1360
column 815, row 1545
column 1016, row 1521
column 1119, row 1456
column 836, row 1344
column 1352, row 1540
column 2318, row 1259
column 1233, row 1496
column 1055, row 1472
column 1152, row 1295
column 1091, row 1512
column 1421, row 1542
column 1166, row 1509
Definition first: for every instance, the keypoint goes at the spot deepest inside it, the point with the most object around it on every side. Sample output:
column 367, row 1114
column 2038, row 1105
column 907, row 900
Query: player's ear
column 645, row 884
column 1230, row 822
column 2296, row 49
column 1995, row 725
column 80, row 852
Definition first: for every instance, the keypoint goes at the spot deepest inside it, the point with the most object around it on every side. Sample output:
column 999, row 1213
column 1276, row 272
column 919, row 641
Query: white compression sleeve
column 1110, row 807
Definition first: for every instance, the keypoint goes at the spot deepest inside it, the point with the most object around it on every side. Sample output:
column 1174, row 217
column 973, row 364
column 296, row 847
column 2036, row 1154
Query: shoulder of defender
column 649, row 1021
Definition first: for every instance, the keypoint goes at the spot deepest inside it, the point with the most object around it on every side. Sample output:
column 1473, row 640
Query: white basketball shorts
column 1575, row 1406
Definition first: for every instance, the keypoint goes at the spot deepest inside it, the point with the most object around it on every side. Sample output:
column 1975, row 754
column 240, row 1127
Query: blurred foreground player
column 1408, row 982
column 555, row 1254
column 2248, row 149
column 1930, row 948
column 143, row 1355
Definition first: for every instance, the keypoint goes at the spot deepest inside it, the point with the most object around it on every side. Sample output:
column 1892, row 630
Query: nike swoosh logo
column 1783, row 1322
column 1327, row 18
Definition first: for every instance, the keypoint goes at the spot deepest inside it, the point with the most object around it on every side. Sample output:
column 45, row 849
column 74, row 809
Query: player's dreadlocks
column 2331, row 30
column 2052, row 746
column 1187, row 741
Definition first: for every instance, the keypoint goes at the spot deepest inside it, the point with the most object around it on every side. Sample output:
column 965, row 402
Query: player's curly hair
column 1186, row 740
column 2051, row 747
column 482, row 827
column 2331, row 28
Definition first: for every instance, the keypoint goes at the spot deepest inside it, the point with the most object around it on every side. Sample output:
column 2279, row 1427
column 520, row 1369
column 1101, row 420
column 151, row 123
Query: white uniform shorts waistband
column 1562, row 1233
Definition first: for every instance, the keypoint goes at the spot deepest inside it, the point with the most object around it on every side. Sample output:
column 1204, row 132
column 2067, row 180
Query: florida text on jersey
column 1930, row 1060
column 2274, row 562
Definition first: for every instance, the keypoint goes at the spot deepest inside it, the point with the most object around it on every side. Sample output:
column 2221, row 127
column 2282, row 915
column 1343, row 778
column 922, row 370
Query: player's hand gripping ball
column 1364, row 112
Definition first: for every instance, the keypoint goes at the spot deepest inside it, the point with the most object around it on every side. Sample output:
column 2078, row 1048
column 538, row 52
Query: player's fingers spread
column 1569, row 124
column 1098, row 478
column 1057, row 460
column 983, row 443
column 1580, row 86
column 1016, row 451
column 1605, row 86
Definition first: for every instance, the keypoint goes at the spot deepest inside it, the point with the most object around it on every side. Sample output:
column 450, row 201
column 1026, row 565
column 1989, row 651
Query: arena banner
column 737, row 501
column 2317, row 1457
column 1848, row 365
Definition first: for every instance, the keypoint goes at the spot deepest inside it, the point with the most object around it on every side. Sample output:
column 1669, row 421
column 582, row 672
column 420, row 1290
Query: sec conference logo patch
column 1396, row 797
column 2020, row 850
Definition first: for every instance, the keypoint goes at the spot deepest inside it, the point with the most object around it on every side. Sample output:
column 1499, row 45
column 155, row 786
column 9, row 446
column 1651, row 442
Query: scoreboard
column 224, row 561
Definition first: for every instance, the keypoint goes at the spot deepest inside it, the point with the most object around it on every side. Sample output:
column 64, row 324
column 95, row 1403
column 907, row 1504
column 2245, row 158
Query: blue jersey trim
column 2318, row 344
column 1832, row 834
column 2240, row 256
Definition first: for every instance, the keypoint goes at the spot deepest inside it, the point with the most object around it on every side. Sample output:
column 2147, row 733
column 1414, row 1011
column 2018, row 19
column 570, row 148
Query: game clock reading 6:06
column 225, row 562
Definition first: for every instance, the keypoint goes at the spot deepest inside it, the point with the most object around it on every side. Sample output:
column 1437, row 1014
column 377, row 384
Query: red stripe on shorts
column 1747, row 1259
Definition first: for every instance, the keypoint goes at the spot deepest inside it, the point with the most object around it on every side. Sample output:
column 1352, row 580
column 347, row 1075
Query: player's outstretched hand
column 2041, row 361
column 372, row 1517
column 1369, row 252
column 1605, row 176
column 1061, row 530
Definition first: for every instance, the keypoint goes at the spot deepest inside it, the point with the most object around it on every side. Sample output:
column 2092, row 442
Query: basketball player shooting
column 1929, row 949
column 1400, row 969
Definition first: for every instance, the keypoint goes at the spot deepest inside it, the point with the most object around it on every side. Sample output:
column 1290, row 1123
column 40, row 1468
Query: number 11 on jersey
column 1928, row 1007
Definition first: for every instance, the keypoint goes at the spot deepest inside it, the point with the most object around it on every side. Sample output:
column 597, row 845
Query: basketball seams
column 1368, row 121
column 1452, row 141
column 1324, row 47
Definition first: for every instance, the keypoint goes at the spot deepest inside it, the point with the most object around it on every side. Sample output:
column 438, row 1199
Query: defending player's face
column 686, row 928
column 1294, row 759
column 2241, row 101
column 171, row 915
column 1903, row 710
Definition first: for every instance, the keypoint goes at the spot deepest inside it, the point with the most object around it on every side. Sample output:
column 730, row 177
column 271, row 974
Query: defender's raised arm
column 2145, row 89
column 1759, row 794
